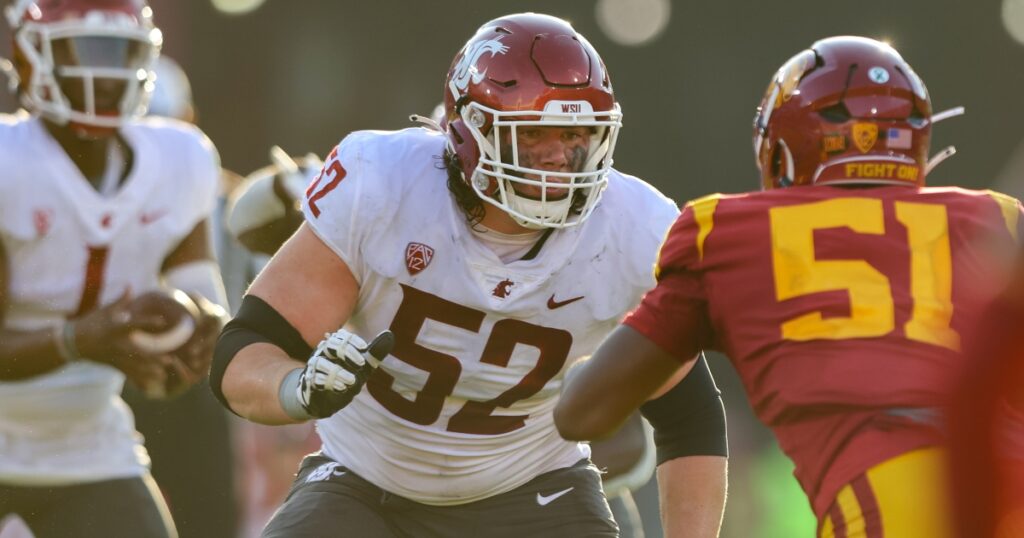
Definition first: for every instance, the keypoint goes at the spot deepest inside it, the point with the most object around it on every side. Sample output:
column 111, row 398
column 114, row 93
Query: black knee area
column 689, row 420
column 256, row 321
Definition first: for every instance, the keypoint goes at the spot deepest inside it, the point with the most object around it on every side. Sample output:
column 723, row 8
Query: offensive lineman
column 492, row 288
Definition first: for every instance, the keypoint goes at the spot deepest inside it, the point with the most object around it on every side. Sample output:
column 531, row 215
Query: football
column 177, row 311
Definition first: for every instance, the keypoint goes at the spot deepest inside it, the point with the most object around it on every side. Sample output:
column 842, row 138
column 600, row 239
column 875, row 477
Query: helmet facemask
column 500, row 169
column 77, row 65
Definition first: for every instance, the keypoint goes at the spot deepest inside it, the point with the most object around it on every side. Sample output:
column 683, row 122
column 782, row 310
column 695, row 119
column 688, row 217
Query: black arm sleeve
column 256, row 321
column 689, row 420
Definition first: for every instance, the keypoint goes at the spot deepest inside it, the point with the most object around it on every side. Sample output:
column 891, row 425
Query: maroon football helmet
column 529, row 70
column 85, row 62
column 847, row 110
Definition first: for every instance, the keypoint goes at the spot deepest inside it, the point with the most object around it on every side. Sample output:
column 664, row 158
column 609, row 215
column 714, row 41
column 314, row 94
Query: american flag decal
column 899, row 138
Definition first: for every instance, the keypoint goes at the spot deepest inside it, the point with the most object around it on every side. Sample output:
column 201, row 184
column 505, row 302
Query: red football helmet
column 847, row 110
column 529, row 70
column 84, row 62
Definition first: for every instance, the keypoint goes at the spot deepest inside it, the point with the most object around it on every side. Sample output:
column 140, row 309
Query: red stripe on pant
column 868, row 507
column 838, row 521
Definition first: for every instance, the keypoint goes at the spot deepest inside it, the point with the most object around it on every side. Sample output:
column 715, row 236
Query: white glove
column 333, row 375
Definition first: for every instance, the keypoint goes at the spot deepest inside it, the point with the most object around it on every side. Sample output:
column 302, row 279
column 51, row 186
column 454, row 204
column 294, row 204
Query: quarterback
column 840, row 293
column 95, row 218
column 496, row 249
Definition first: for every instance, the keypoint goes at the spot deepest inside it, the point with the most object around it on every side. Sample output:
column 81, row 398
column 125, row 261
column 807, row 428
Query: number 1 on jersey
column 798, row 272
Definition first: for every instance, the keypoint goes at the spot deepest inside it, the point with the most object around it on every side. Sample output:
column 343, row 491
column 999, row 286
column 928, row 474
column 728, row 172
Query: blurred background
column 304, row 73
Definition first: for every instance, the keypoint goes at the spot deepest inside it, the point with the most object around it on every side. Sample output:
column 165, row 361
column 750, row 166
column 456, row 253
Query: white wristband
column 288, row 395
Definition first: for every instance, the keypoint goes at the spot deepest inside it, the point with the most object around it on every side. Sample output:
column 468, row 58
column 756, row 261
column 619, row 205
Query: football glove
column 337, row 371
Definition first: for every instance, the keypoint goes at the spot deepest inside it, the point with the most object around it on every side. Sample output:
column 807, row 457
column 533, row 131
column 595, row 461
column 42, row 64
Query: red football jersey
column 842, row 310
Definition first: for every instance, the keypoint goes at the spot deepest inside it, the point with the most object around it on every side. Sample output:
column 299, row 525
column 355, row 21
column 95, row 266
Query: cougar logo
column 466, row 70
column 503, row 289
column 325, row 472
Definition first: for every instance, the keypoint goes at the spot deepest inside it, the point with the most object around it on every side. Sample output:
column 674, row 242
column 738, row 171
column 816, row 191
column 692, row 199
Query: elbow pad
column 689, row 419
column 255, row 322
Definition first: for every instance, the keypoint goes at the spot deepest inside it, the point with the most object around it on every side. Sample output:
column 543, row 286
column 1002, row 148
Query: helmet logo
column 864, row 136
column 466, row 71
column 878, row 75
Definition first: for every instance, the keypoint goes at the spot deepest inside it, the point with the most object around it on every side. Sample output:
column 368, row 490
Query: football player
column 97, row 207
column 265, row 210
column 839, row 293
column 986, row 422
column 498, row 247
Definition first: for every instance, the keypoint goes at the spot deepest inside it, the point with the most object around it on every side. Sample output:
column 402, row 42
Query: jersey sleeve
column 342, row 197
column 1011, row 210
column 194, row 165
column 206, row 172
column 673, row 315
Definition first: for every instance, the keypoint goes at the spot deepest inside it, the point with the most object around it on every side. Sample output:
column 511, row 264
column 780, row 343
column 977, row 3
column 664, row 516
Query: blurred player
column 491, row 288
column 987, row 422
column 264, row 210
column 840, row 293
column 93, row 214
column 188, row 437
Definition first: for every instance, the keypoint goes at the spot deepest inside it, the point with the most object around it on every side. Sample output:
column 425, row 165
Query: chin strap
column 7, row 68
column 946, row 114
column 948, row 151
column 937, row 159
column 429, row 123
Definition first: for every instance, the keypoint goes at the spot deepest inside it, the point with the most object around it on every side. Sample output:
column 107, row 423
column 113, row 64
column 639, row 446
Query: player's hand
column 338, row 370
column 197, row 353
column 102, row 336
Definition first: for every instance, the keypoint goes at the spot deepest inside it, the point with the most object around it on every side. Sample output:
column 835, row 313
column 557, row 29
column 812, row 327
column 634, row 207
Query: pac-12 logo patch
column 417, row 257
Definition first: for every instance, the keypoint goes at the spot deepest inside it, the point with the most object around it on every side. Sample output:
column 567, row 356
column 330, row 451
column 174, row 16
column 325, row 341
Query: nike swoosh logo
column 553, row 304
column 148, row 218
column 546, row 500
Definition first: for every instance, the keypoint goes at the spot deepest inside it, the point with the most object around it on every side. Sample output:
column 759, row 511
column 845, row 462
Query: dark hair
column 466, row 198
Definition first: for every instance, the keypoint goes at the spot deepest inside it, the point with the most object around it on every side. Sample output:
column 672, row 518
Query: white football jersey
column 69, row 250
column 461, row 409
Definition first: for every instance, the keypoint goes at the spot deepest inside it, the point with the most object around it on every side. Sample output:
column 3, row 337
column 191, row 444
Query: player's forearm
column 692, row 490
column 601, row 394
column 621, row 452
column 252, row 383
column 25, row 354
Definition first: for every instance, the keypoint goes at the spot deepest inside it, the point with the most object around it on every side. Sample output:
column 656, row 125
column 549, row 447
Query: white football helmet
column 70, row 56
